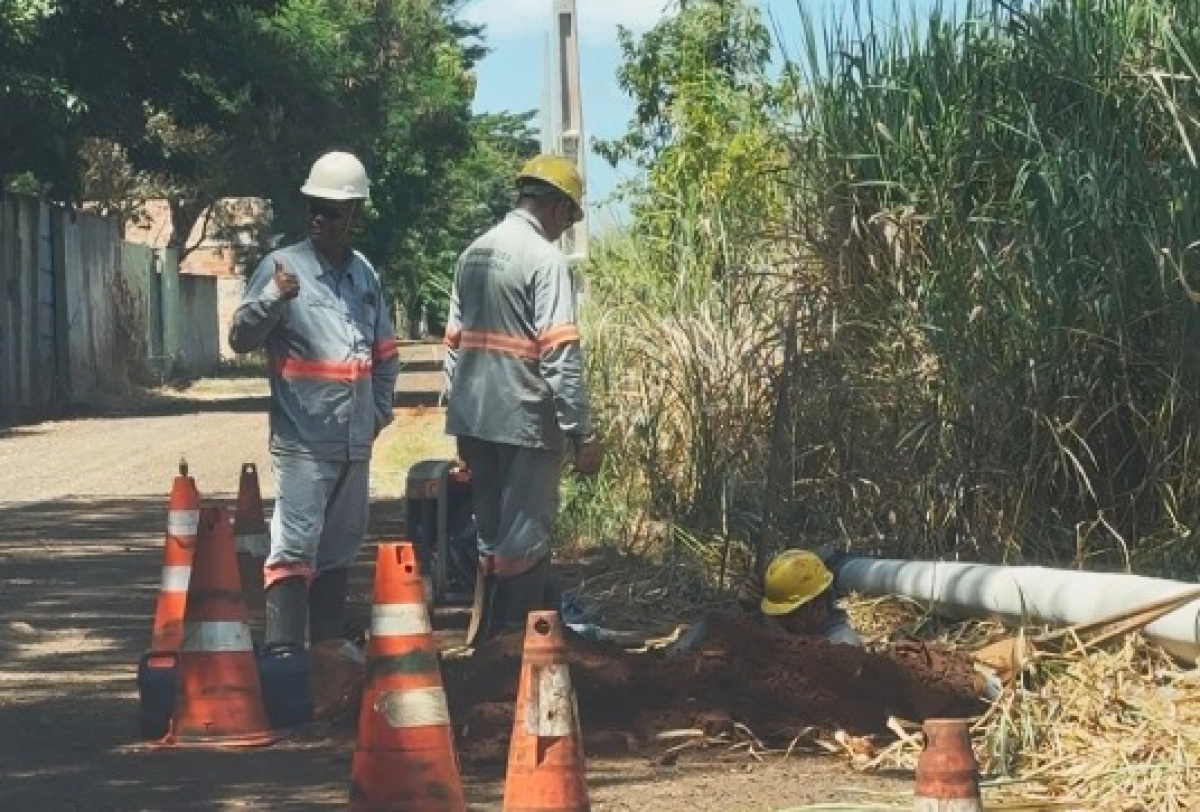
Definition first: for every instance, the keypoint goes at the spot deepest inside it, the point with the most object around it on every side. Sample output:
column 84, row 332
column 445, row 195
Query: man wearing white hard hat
column 318, row 310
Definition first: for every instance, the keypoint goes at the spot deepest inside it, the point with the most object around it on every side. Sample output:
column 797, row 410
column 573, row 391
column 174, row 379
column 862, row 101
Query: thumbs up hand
column 288, row 284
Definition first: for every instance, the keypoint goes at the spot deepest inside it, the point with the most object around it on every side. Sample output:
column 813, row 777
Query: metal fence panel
column 80, row 309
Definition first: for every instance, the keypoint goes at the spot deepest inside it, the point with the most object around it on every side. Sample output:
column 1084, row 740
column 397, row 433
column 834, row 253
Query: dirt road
column 82, row 511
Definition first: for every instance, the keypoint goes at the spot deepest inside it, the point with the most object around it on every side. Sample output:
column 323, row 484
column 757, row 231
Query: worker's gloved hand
column 285, row 281
column 589, row 454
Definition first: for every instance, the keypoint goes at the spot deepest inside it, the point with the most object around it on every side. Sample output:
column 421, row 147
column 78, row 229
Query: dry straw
column 1115, row 729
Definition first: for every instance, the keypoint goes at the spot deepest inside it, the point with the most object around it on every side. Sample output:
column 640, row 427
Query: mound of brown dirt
column 774, row 684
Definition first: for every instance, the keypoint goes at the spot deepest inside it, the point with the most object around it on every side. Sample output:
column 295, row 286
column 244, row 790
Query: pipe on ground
column 1028, row 594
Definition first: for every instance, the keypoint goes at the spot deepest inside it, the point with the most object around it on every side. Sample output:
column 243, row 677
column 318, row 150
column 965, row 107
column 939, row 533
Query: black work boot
column 283, row 664
column 287, row 612
column 327, row 606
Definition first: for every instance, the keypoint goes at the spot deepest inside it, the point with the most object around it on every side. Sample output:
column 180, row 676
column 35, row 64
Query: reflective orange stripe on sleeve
column 385, row 349
column 499, row 342
column 558, row 334
column 321, row 370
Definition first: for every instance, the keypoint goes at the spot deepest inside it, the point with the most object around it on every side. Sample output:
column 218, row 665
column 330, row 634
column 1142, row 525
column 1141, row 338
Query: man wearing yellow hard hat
column 797, row 598
column 516, row 396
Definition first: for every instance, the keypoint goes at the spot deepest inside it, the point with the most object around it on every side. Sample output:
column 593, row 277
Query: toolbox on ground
column 440, row 523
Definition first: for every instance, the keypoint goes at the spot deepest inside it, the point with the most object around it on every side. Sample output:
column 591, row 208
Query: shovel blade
column 481, row 605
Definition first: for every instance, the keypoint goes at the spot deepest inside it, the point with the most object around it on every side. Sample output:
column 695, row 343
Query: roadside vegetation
column 198, row 103
column 922, row 291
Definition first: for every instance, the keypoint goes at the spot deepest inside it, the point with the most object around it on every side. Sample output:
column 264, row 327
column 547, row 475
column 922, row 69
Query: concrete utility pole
column 567, row 109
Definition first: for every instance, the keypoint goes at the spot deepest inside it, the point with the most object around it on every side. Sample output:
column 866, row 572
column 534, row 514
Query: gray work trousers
column 320, row 516
column 514, row 490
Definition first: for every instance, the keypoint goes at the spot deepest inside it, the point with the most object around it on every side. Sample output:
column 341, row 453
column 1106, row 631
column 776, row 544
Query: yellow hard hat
column 793, row 578
column 557, row 171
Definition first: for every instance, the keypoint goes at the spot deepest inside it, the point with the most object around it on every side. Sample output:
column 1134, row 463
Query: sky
column 510, row 78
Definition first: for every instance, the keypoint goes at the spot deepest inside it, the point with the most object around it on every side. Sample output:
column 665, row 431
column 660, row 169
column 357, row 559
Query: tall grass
column 986, row 224
column 995, row 196
column 682, row 370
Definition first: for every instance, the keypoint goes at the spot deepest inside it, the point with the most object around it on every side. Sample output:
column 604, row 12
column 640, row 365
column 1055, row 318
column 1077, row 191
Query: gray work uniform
column 514, row 379
column 333, row 367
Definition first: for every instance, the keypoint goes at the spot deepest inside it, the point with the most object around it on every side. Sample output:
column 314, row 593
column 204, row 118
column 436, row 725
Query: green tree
column 475, row 193
column 76, row 69
column 704, row 127
column 193, row 103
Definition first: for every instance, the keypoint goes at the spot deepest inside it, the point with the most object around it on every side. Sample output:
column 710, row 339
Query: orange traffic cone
column 546, row 769
column 219, row 700
column 405, row 759
column 947, row 773
column 157, row 667
column 183, row 514
column 253, row 540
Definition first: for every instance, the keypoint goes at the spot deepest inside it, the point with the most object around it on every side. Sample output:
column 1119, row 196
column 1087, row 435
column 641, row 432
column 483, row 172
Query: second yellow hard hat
column 557, row 171
column 793, row 578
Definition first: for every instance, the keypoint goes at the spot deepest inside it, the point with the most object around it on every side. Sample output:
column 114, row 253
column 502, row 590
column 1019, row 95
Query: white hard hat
column 337, row 176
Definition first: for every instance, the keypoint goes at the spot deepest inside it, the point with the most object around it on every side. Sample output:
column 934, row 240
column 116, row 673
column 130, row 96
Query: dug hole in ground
column 745, row 686
column 82, row 518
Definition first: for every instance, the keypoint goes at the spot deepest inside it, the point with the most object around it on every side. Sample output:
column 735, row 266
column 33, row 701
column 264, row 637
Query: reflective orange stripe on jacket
column 321, row 370
column 512, row 345
column 558, row 334
column 499, row 342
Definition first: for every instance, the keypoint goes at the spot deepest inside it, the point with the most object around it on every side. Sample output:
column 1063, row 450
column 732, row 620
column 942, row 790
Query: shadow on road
column 407, row 399
column 142, row 406
column 78, row 588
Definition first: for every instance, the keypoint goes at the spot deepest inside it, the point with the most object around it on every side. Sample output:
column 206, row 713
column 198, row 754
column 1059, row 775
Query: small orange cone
column 405, row 759
column 250, row 533
column 546, row 768
column 157, row 667
column 947, row 772
column 219, row 700
column 183, row 514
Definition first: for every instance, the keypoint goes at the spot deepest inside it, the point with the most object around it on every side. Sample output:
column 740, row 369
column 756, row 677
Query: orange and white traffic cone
column 546, row 767
column 183, row 514
column 405, row 759
column 947, row 772
column 219, row 700
column 157, row 667
column 250, row 534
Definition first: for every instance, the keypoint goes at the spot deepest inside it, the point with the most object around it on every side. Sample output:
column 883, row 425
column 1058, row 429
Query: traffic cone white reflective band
column 175, row 579
column 258, row 544
column 217, row 635
column 550, row 711
column 413, row 707
column 183, row 522
column 392, row 619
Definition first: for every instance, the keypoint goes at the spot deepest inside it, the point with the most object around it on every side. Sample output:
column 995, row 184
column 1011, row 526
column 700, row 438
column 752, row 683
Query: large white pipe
column 1030, row 594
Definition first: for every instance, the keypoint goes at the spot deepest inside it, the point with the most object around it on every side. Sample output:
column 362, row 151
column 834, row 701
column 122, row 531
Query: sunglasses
column 576, row 212
column 326, row 210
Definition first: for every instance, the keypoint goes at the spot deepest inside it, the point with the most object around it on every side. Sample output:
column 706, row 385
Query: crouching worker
column 797, row 599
